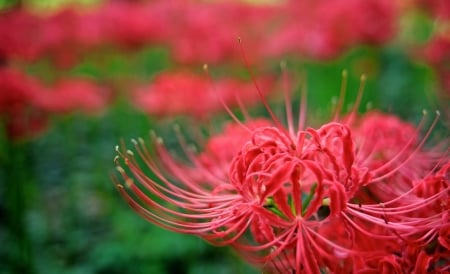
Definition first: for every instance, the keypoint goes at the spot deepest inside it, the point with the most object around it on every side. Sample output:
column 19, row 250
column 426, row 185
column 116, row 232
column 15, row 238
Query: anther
column 129, row 182
column 363, row 78
column 120, row 170
column 141, row 141
column 159, row 140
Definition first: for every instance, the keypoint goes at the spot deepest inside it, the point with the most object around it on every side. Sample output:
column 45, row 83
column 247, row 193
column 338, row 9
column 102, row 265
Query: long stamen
column 340, row 103
column 303, row 104
column 411, row 155
column 354, row 111
column 287, row 100
column 260, row 93
column 225, row 106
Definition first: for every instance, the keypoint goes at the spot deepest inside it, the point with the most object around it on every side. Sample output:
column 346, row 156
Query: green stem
column 16, row 192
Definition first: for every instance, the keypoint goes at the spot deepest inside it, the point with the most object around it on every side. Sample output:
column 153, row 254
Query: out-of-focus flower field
column 78, row 78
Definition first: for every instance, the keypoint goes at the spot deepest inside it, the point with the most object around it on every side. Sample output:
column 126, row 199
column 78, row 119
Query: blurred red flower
column 19, row 106
column 438, row 8
column 74, row 95
column 183, row 93
column 198, row 32
column 19, row 33
column 324, row 29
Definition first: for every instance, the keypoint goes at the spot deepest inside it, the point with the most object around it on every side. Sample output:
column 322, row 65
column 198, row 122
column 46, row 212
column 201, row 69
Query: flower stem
column 16, row 198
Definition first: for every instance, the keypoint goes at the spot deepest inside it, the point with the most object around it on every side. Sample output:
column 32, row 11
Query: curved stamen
column 410, row 156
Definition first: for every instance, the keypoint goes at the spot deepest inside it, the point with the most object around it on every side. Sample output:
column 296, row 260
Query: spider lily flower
column 394, row 150
column 20, row 110
column 181, row 93
column 290, row 198
column 206, row 204
column 434, row 184
column 342, row 25
column 74, row 95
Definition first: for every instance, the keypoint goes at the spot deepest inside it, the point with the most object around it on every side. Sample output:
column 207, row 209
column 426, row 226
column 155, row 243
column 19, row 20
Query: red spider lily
column 221, row 149
column 431, row 258
column 183, row 26
column 291, row 199
column 393, row 148
column 25, row 103
column 438, row 8
column 149, row 23
column 190, row 94
column 323, row 29
column 207, row 205
column 19, row 107
column 336, row 177
column 72, row 95
column 435, row 183
column 193, row 43
column 19, row 43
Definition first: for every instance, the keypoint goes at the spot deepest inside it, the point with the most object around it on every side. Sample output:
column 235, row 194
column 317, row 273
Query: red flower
column 19, row 106
column 71, row 95
column 134, row 25
column 323, row 29
column 209, row 30
column 190, row 94
column 220, row 149
column 295, row 199
column 19, row 31
column 206, row 204
column 392, row 150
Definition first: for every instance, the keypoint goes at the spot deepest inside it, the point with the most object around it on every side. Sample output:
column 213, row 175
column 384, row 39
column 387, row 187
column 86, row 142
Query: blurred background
column 77, row 77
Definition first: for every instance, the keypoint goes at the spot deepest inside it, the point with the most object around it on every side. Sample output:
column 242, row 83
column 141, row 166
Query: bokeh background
column 79, row 77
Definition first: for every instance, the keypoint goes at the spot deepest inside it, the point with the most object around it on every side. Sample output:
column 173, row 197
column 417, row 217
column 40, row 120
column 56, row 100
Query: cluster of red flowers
column 185, row 28
column 191, row 94
column 324, row 29
column 201, row 32
column 359, row 194
column 25, row 103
